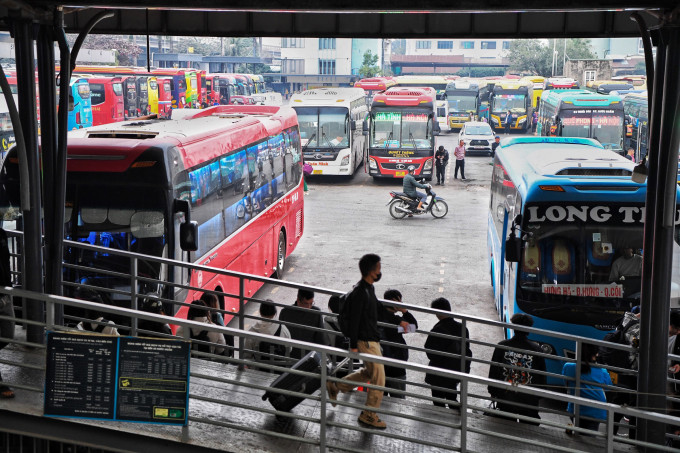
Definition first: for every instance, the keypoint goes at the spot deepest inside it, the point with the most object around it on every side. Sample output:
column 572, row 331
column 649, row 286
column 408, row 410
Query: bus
column 179, row 86
column 221, row 87
column 514, row 96
column 438, row 83
column 574, row 209
column 328, row 117
column 466, row 99
column 234, row 172
column 402, row 126
column 164, row 97
column 7, row 137
column 580, row 113
column 373, row 85
column 560, row 83
column 637, row 116
column 538, row 83
column 605, row 86
column 108, row 104
column 80, row 105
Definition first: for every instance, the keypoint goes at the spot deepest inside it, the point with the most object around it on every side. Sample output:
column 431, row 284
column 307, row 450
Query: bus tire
column 281, row 255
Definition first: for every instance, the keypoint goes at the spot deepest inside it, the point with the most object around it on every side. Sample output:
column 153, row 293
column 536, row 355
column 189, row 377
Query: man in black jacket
column 395, row 376
column 299, row 317
column 523, row 362
column 441, row 158
column 451, row 344
column 363, row 311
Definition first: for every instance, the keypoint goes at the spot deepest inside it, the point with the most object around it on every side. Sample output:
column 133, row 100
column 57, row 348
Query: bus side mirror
column 436, row 130
column 513, row 248
column 188, row 236
column 353, row 125
column 364, row 128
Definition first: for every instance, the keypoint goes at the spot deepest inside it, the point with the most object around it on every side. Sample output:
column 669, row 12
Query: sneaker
column 371, row 419
column 464, row 179
column 332, row 392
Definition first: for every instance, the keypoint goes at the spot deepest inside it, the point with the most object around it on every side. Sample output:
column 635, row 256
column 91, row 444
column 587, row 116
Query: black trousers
column 459, row 164
column 450, row 397
column 441, row 171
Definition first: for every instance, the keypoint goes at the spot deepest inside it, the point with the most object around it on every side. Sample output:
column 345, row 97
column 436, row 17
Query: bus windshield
column 323, row 127
column 463, row 103
column 401, row 129
column 586, row 273
column 605, row 126
column 513, row 102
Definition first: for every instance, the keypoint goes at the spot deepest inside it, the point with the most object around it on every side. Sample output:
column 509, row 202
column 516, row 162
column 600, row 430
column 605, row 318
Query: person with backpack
column 336, row 337
column 205, row 340
column 98, row 324
column 395, row 376
column 299, row 317
column 517, row 366
column 358, row 320
column 213, row 304
column 265, row 351
column 445, row 337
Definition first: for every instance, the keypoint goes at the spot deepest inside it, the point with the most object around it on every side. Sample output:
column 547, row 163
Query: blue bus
column 80, row 104
column 575, row 211
column 581, row 113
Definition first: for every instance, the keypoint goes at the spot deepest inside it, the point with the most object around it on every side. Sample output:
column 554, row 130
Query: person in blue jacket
column 592, row 381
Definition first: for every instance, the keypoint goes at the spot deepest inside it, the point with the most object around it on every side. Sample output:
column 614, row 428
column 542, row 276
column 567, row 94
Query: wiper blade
column 413, row 140
column 323, row 135
column 304, row 148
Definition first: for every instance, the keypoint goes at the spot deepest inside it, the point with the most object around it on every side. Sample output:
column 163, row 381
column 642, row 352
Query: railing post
column 133, row 294
column 186, row 336
column 241, row 319
column 463, row 388
column 322, row 409
column 610, row 431
column 577, row 382
column 49, row 314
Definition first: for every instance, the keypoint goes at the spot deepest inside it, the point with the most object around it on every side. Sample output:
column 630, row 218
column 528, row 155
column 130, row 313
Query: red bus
column 403, row 123
column 374, row 85
column 164, row 97
column 106, row 94
column 235, row 170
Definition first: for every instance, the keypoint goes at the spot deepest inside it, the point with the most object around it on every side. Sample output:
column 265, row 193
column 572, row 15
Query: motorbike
column 402, row 205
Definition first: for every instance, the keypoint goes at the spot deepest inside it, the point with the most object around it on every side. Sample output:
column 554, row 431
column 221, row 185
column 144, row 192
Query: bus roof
column 406, row 96
column 375, row 83
column 638, row 97
column 327, row 96
column 234, row 126
column 580, row 98
column 109, row 70
column 419, row 79
column 512, row 84
column 559, row 160
column 466, row 84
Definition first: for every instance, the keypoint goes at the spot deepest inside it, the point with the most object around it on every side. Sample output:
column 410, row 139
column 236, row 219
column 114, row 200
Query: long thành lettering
column 590, row 213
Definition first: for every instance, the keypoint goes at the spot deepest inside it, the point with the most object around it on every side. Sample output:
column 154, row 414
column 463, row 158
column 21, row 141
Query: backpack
column 619, row 358
column 266, row 348
column 344, row 312
column 87, row 325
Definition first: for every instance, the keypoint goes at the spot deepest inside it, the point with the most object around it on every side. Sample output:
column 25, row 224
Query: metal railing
column 473, row 399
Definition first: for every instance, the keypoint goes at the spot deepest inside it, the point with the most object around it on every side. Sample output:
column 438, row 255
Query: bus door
column 142, row 96
column 152, row 83
column 130, row 101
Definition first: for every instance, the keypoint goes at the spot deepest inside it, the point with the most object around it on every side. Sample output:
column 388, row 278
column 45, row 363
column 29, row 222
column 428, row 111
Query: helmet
column 411, row 168
column 498, row 136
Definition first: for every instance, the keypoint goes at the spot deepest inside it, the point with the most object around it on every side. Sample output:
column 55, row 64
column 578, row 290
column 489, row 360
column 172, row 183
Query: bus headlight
column 372, row 164
column 345, row 160
column 494, row 120
column 428, row 165
column 522, row 120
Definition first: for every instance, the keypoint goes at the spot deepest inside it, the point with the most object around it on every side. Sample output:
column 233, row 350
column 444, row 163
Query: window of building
column 488, row 44
column 423, row 44
column 327, row 67
column 589, row 76
column 444, row 44
column 506, row 44
column 326, row 43
column 292, row 43
column 641, row 47
column 293, row 66
column 467, row 45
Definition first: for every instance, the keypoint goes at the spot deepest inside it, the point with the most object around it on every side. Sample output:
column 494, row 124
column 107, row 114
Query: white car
column 478, row 137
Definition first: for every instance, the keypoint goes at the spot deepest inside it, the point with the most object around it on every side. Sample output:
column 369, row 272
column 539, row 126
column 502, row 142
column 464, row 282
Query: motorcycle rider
column 410, row 185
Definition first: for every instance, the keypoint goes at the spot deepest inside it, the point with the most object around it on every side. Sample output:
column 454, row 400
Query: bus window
column 97, row 93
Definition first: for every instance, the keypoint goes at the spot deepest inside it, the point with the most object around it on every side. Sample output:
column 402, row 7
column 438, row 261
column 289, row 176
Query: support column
column 32, row 277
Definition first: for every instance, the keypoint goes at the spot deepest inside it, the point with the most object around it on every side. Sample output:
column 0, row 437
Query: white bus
column 330, row 128
column 443, row 115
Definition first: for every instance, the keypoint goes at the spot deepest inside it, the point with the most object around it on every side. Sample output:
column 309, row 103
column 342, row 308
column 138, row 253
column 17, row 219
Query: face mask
column 377, row 277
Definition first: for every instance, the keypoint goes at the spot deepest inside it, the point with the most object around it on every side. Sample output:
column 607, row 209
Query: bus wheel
column 281, row 255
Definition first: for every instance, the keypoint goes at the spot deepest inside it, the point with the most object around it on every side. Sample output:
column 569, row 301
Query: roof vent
column 581, row 171
column 133, row 135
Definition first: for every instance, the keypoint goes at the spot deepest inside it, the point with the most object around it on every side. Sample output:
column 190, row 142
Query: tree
column 536, row 56
column 369, row 67
column 126, row 50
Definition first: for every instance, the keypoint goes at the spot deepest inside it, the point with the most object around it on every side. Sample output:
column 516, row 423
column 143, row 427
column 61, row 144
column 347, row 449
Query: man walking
column 362, row 314
column 459, row 152
column 441, row 157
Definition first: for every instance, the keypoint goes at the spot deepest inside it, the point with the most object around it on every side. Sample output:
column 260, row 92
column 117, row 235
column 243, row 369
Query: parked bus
column 514, row 96
column 438, row 83
column 467, row 99
column 560, row 83
column 80, row 110
column 580, row 113
column 192, row 87
column 403, row 123
column 153, row 92
column 108, row 103
column 179, row 86
column 374, row 85
column 164, row 97
column 575, row 210
column 142, row 84
column 538, row 83
column 235, row 171
column 331, row 141
column 637, row 117
column 605, row 86
column 7, row 137
column 243, row 84
column 220, row 88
